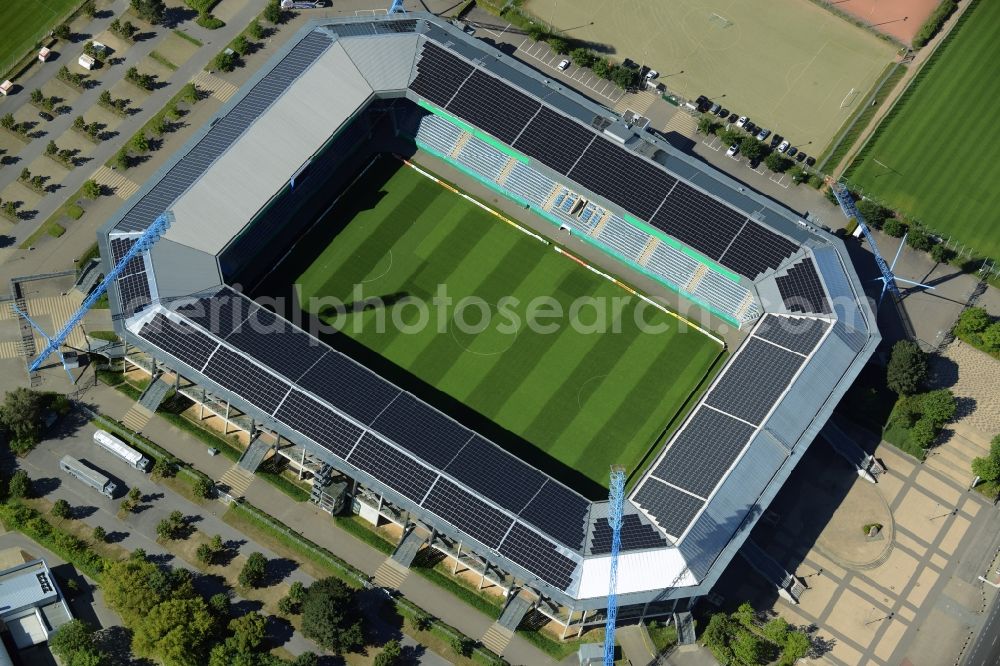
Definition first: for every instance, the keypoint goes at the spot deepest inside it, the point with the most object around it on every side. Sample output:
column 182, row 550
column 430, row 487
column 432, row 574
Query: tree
column 625, row 77
column 330, row 616
column 7, row 121
column 71, row 639
column 203, row 487
column 991, row 337
column 91, row 189
column 972, row 320
column 36, row 96
column 255, row 30
column 776, row 630
column 20, row 485
column 988, row 468
column 778, row 163
column 21, row 413
column 923, row 433
column 390, row 654
column 175, row 632
column 601, row 68
column 559, row 45
column 89, row 9
column 895, row 227
column 122, row 160
column 225, row 61
column 133, row 587
column 297, row 592
column 140, row 143
column 252, row 574
column 306, row 659
column 919, row 239
column 907, row 368
column 582, row 57
column 748, row 649
column 717, row 636
column 273, row 13
column 752, row 148
column 248, row 631
column 707, row 125
column 220, row 605
column 745, row 615
column 61, row 509
column 171, row 527
column 163, row 469
column 105, row 98
column 286, row 606
column 462, row 645
column 796, row 647
column 875, row 215
column 152, row 11
column 99, row 534
column 241, row 45
column 938, row 407
column 51, row 148
column 62, row 32
column 189, row 93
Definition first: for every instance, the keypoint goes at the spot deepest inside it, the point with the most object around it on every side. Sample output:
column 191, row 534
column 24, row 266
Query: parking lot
column 713, row 142
column 530, row 50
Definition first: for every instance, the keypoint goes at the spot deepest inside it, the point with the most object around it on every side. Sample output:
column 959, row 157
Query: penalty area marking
column 849, row 98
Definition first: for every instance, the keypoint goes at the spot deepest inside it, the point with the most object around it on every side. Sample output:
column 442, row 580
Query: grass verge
column 473, row 598
column 162, row 59
column 359, row 528
column 188, row 38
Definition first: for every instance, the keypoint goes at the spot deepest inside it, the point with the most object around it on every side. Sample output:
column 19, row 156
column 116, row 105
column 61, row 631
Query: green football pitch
column 25, row 21
column 577, row 398
column 930, row 159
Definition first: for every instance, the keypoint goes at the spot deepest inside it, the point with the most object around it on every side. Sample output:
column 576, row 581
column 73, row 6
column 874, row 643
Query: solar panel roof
column 482, row 522
column 672, row 509
column 801, row 289
column 622, row 177
column 741, row 391
column 439, row 74
column 554, row 140
column 284, row 348
column 496, row 474
column 493, row 106
column 538, row 555
column 799, row 334
column 700, row 456
column 246, row 378
column 185, row 343
column 756, row 250
column 422, row 430
column 392, row 467
column 560, row 513
column 220, row 312
column 319, row 423
column 699, row 220
column 635, row 535
column 356, row 390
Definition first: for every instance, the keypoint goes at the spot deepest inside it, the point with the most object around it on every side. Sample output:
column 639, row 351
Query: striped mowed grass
column 930, row 157
column 582, row 397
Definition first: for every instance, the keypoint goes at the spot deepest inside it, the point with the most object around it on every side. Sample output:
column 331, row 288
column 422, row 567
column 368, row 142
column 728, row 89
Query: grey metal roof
column 386, row 61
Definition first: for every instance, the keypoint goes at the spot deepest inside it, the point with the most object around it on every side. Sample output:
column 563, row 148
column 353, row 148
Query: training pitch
column 24, row 21
column 789, row 65
column 929, row 158
column 576, row 399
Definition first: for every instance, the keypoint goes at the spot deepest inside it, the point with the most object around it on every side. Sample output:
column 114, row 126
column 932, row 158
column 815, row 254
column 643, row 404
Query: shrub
column 164, row 469
column 203, row 487
column 209, row 22
column 225, row 61
column 99, row 535
column 972, row 321
column 934, row 22
column 55, row 230
column 923, row 433
column 273, row 13
column 140, row 143
column 241, row 45
column 942, row 254
column 255, row 30
column 895, row 227
column 582, row 57
column 919, row 239
column 559, row 45
column 122, row 160
column 91, row 189
column 74, row 212
column 601, row 68
column 20, row 485
column 61, row 509
column 220, row 605
column 907, row 368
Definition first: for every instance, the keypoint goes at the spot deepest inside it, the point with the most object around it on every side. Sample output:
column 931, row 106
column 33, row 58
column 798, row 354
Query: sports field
column 584, row 397
column 930, row 158
column 24, row 21
column 789, row 65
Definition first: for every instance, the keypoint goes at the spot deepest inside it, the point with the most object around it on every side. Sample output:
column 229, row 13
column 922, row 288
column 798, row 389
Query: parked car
column 652, row 74
column 715, row 109
column 783, row 147
column 732, row 118
column 810, row 160
column 563, row 65
column 750, row 127
column 776, row 139
column 763, row 134
column 44, row 115
column 800, row 157
column 723, row 113
column 743, row 120
column 792, row 151
column 733, row 150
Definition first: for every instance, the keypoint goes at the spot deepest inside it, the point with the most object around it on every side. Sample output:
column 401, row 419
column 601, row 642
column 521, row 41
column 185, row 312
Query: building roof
column 691, row 507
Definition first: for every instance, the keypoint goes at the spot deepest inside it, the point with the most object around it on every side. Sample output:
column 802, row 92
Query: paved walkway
column 317, row 525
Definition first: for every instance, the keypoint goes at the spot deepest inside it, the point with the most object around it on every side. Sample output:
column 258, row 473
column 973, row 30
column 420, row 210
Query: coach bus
column 88, row 475
column 120, row 449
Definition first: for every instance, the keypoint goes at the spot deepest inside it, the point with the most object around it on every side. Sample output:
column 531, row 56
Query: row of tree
column 743, row 638
column 979, row 329
column 626, row 78
column 921, row 414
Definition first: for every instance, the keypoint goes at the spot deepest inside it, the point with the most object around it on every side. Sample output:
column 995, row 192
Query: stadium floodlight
column 142, row 243
column 616, row 499
column 888, row 277
column 397, row 7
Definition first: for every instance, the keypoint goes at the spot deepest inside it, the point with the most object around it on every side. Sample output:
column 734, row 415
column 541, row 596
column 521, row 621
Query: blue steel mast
column 143, row 243
column 616, row 498
column 888, row 278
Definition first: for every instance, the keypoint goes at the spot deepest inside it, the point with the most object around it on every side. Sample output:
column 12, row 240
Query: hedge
column 32, row 523
column 934, row 22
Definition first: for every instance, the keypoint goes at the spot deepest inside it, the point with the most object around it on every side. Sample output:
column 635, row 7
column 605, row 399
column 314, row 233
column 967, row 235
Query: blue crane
column 143, row 243
column 888, row 277
column 616, row 499
column 397, row 7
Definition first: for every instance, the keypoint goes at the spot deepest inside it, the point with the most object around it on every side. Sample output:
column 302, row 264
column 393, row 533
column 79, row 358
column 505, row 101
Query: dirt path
column 921, row 58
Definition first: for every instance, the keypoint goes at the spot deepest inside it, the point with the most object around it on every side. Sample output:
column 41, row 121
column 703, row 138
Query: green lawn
column 585, row 399
column 936, row 165
column 24, row 21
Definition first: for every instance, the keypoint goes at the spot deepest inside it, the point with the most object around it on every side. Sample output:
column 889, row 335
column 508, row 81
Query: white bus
column 88, row 475
column 120, row 449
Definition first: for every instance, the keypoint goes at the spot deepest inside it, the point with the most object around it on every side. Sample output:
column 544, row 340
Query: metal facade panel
column 851, row 326
column 734, row 500
column 386, row 62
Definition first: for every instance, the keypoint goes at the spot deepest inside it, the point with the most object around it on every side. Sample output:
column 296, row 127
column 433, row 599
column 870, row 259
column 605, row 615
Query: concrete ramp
column 254, row 455
column 407, row 549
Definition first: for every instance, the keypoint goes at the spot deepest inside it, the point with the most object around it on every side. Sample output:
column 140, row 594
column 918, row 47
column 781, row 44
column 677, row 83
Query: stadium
column 307, row 175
